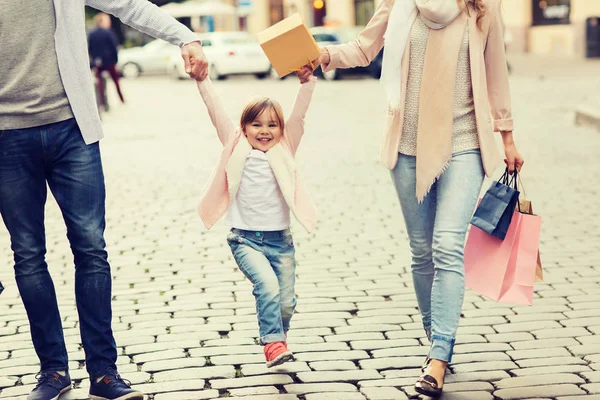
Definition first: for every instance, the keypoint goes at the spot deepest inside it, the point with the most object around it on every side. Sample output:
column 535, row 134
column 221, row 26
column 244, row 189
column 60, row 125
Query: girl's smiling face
column 264, row 131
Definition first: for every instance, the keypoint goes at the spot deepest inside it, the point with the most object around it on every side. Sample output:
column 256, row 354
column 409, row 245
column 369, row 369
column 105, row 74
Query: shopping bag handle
column 512, row 181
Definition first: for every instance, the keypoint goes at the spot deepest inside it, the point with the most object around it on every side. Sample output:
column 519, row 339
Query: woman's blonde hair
column 478, row 6
column 256, row 107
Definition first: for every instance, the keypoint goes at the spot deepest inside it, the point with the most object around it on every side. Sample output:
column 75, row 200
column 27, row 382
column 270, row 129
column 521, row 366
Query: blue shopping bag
column 495, row 210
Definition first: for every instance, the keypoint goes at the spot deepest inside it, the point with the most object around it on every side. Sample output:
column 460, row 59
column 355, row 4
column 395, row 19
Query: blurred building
column 555, row 27
column 263, row 13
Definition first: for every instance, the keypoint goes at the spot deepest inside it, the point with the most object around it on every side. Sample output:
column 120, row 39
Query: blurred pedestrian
column 103, row 50
column 49, row 133
column 444, row 70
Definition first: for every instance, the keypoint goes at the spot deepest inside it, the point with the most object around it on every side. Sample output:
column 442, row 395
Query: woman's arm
column 497, row 72
column 294, row 126
column 362, row 50
column 218, row 116
column 498, row 87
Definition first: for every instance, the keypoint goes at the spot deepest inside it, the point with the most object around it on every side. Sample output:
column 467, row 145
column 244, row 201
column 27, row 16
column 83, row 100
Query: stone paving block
column 305, row 388
column 261, row 380
column 526, row 326
column 536, row 317
column 158, row 355
column 382, row 344
column 383, row 393
column 254, row 391
column 177, row 363
column 544, row 343
column 538, row 391
column 468, row 387
column 557, row 369
column 490, row 376
column 401, row 352
column 287, row 368
column 332, row 355
column 407, row 334
column 481, row 348
column 335, row 396
column 166, row 387
column 479, row 357
column 269, row 397
column 560, row 333
column 337, row 376
column 195, row 395
column 368, row 328
column 539, row 380
column 468, row 396
column 583, row 397
column 314, row 347
column 467, row 339
column 584, row 350
column 333, row 366
column 237, row 359
column 355, row 337
column 592, row 377
column 546, row 362
column 412, row 373
column 509, row 337
column 195, row 373
column 391, row 362
column 225, row 350
column 484, row 366
column 536, row 353
column 592, row 388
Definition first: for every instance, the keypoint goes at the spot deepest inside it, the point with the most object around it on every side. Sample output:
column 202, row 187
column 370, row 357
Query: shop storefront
column 553, row 27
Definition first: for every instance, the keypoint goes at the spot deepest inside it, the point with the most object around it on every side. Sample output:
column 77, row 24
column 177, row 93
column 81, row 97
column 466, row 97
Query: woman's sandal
column 428, row 386
column 425, row 364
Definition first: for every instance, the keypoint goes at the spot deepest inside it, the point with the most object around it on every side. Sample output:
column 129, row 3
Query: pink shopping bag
column 504, row 270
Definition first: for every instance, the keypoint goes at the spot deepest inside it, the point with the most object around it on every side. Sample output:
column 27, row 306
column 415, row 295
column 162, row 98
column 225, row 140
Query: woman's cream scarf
column 436, row 99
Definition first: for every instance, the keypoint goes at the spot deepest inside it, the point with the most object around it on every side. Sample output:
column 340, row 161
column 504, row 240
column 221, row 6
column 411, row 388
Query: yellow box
column 289, row 45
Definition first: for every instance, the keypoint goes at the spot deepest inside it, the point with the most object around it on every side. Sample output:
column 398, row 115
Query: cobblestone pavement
column 184, row 315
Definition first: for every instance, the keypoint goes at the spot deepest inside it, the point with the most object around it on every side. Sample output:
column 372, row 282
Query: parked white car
column 228, row 53
column 151, row 58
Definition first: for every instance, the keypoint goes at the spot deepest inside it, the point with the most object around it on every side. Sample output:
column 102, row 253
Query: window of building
column 551, row 12
column 363, row 11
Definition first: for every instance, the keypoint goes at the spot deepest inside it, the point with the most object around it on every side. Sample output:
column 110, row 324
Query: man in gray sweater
column 49, row 133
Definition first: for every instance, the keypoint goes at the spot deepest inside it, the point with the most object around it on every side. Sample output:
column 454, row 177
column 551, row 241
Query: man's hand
column 196, row 65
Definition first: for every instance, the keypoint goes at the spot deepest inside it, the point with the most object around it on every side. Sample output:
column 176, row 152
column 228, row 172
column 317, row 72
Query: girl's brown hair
column 255, row 107
column 478, row 6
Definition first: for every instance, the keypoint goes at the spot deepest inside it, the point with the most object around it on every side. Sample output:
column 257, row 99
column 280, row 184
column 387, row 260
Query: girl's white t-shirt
column 259, row 204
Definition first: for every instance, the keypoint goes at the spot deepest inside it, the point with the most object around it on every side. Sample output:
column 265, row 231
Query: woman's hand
column 324, row 57
column 513, row 159
column 304, row 73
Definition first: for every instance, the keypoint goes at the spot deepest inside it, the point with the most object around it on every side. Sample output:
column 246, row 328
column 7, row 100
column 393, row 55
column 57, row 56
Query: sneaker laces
column 116, row 377
column 47, row 378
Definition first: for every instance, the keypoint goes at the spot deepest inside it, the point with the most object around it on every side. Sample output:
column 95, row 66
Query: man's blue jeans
column 57, row 155
column 436, row 231
column 267, row 260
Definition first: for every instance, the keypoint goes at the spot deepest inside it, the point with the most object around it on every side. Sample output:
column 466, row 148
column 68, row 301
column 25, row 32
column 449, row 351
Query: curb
column 587, row 115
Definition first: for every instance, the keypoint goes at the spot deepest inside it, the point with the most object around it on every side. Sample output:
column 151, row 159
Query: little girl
column 257, row 181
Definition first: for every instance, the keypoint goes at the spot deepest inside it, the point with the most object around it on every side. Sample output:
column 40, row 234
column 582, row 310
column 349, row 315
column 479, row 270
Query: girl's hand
column 305, row 73
column 513, row 157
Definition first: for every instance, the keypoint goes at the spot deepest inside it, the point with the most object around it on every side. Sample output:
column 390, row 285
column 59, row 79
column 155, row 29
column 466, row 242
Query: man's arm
column 150, row 19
